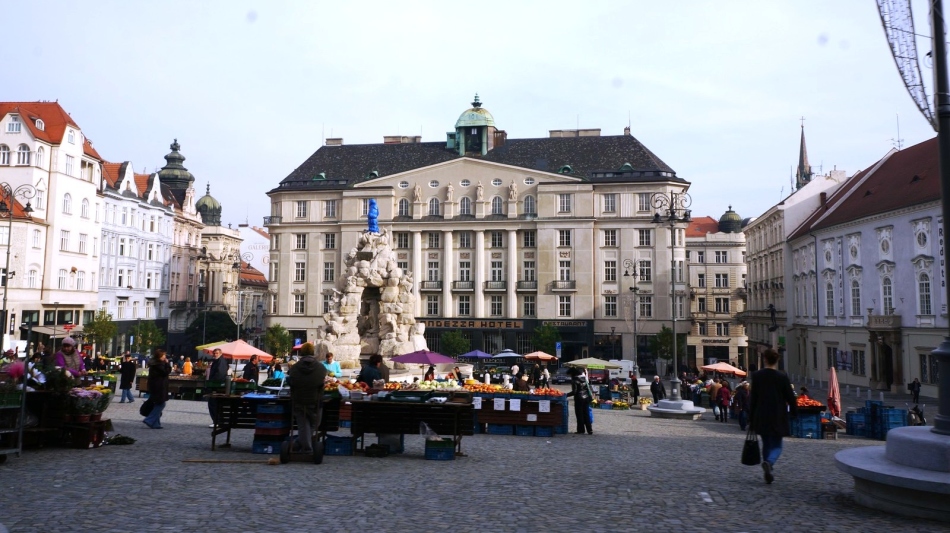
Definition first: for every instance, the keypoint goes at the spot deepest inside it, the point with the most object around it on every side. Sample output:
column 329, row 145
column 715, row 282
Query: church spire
column 803, row 174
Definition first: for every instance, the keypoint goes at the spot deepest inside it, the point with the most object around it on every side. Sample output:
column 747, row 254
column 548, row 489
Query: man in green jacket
column 306, row 379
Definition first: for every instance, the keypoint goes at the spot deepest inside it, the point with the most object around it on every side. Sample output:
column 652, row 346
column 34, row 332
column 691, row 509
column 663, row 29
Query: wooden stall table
column 178, row 386
column 86, row 435
column 240, row 412
column 394, row 417
column 529, row 413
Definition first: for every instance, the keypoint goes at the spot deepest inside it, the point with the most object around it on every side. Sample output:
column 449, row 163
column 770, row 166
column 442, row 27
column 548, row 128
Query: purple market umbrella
column 478, row 354
column 423, row 357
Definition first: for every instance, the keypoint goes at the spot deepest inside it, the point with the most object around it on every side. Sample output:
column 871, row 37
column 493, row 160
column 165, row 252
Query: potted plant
column 644, row 403
column 83, row 403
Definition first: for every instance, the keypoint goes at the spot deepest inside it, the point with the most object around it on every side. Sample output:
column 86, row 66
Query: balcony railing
column 272, row 221
column 430, row 285
column 564, row 285
column 528, row 285
column 463, row 285
column 496, row 285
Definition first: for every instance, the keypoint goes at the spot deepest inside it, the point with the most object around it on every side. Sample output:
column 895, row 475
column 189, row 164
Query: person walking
column 741, row 402
column 657, row 389
column 724, row 398
column 218, row 371
column 306, row 378
column 772, row 402
column 915, row 390
column 127, row 376
column 580, row 390
column 158, row 371
column 545, row 377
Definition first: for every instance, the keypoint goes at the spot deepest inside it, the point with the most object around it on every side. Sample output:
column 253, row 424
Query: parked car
column 560, row 377
column 597, row 376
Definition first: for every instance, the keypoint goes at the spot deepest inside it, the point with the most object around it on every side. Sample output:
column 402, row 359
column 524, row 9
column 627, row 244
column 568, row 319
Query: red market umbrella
column 834, row 393
column 240, row 350
column 724, row 368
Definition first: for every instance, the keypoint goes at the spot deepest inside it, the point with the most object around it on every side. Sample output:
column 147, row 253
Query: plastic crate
column 395, row 442
column 440, row 450
column 605, row 406
column 544, row 431
column 856, row 424
column 266, row 446
column 271, row 432
column 271, row 424
column 891, row 417
column 334, row 445
column 346, row 423
column 524, row 431
column 500, row 429
column 272, row 408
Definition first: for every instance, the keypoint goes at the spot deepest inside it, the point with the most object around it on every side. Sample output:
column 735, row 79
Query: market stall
column 453, row 418
column 242, row 412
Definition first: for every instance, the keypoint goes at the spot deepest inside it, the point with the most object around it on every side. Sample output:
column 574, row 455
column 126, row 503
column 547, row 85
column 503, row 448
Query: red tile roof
column 54, row 117
column 110, row 171
column 902, row 179
column 699, row 227
column 261, row 232
column 252, row 276
column 89, row 150
column 141, row 183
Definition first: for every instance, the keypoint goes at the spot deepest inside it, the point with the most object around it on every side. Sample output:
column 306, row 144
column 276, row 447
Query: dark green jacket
column 306, row 378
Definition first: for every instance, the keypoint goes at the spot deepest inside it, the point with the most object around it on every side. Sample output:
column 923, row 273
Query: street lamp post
column 8, row 197
column 613, row 342
column 630, row 271
column 672, row 210
column 55, row 320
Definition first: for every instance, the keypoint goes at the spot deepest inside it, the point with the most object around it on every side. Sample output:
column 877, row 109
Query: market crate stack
column 440, row 450
column 334, row 445
column 271, row 428
column 806, row 425
column 875, row 419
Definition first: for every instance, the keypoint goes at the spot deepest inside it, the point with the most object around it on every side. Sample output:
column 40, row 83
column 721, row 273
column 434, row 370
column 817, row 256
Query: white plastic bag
column 344, row 392
column 427, row 432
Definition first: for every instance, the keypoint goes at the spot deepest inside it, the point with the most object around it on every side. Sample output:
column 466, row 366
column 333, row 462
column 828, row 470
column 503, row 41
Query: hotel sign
column 474, row 324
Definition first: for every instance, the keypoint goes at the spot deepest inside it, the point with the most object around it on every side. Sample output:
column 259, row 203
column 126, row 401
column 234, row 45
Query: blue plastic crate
column 346, row 423
column 272, row 408
column 893, row 416
column 266, row 446
column 871, row 404
column 544, row 431
column 500, row 429
column 271, row 424
column 605, row 406
column 443, row 450
column 524, row 431
column 338, row 445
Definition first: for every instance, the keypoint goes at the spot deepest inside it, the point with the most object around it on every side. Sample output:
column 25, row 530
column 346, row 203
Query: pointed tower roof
column 174, row 174
column 803, row 174
column 209, row 208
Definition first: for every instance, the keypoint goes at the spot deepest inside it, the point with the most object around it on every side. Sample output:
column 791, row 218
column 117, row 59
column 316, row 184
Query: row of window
column 125, row 278
column 15, row 125
column 122, row 309
column 133, row 218
column 721, row 256
column 924, row 297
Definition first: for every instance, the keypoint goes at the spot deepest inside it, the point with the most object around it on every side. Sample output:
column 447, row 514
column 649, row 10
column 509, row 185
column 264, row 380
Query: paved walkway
column 635, row 473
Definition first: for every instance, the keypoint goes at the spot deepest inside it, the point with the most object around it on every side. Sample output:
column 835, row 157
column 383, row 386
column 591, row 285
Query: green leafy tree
column 662, row 345
column 278, row 340
column 454, row 343
column 147, row 336
column 211, row 326
column 545, row 338
column 101, row 329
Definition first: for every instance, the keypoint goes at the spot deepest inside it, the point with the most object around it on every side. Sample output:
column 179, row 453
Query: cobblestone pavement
column 636, row 473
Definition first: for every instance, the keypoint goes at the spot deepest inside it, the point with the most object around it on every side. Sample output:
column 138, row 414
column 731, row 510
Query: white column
column 418, row 270
column 448, row 267
column 512, row 274
column 478, row 309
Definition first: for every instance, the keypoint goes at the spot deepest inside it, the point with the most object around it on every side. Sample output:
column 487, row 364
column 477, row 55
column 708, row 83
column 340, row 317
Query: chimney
column 626, row 131
column 334, row 141
column 823, row 199
column 402, row 139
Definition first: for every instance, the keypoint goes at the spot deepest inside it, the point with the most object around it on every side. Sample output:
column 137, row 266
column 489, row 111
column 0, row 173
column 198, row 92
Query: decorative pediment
column 922, row 263
column 854, row 272
column 885, row 268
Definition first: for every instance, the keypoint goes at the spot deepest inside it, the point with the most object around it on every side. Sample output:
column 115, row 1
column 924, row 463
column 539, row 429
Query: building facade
column 136, row 249
column 717, row 290
column 501, row 235
column 867, row 289
column 45, row 151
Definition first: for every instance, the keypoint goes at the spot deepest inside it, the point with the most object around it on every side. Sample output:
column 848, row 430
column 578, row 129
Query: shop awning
column 59, row 332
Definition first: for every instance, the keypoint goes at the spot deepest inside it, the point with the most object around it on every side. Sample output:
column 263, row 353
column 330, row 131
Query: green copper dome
column 730, row 222
column 174, row 174
column 476, row 116
column 209, row 208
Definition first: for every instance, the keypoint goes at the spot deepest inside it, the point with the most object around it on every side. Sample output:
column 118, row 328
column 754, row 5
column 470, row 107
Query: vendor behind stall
column 306, row 379
column 68, row 358
column 333, row 367
column 370, row 372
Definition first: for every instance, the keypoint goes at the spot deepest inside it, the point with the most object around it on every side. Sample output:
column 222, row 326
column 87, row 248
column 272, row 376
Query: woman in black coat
column 158, row 370
column 771, row 402
column 582, row 394
column 127, row 370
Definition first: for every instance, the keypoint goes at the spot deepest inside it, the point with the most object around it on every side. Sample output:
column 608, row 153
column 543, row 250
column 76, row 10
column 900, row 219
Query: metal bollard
column 857, row 392
column 869, row 393
column 847, row 389
column 882, row 397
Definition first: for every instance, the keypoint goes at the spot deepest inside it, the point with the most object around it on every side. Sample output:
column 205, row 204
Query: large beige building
column 501, row 234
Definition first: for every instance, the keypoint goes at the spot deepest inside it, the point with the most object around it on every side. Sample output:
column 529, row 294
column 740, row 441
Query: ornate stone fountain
column 372, row 308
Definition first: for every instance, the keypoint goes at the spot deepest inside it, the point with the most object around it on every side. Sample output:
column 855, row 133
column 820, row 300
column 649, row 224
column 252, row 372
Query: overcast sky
column 250, row 89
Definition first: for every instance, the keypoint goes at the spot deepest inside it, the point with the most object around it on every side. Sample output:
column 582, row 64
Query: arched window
column 404, row 208
column 465, row 205
column 855, row 298
column 40, row 153
column 4, row 154
column 23, row 155
column 67, row 204
column 84, row 209
column 497, row 207
column 530, row 206
column 923, row 289
column 830, row 299
column 887, row 296
column 434, row 207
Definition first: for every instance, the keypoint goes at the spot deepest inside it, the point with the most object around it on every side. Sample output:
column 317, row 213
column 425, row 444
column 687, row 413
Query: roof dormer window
column 40, row 125
column 14, row 125
column 71, row 137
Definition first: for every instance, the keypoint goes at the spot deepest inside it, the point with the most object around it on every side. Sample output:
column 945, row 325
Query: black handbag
column 147, row 406
column 751, row 455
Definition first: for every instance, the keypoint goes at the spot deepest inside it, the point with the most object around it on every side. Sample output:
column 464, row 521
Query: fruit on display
column 394, row 385
column 805, row 401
